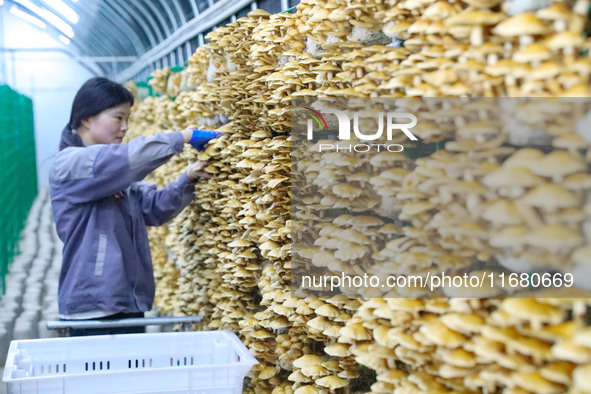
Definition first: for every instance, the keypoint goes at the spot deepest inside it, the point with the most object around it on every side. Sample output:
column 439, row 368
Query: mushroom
column 550, row 197
column 524, row 26
column 533, row 381
column 559, row 164
column 332, row 382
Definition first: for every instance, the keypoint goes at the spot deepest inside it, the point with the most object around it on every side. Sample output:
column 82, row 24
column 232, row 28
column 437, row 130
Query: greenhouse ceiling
column 128, row 39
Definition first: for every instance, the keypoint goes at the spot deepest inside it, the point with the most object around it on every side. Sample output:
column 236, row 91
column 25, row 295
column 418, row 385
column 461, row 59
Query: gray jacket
column 101, row 211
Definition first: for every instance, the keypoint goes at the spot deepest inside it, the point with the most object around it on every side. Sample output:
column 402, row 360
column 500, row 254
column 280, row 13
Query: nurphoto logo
column 387, row 122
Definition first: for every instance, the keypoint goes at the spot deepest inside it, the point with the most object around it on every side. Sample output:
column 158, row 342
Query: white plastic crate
column 178, row 362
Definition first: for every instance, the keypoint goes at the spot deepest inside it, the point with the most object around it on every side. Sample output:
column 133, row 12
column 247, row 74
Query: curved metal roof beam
column 167, row 29
column 123, row 8
column 123, row 27
column 148, row 17
column 86, row 13
column 99, row 40
column 208, row 19
column 194, row 8
column 171, row 17
column 164, row 4
column 178, row 9
column 73, row 41
column 96, row 38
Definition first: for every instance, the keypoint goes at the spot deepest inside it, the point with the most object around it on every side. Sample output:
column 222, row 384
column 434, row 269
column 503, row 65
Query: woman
column 101, row 209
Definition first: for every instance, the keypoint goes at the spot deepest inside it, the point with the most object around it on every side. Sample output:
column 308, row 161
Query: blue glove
column 201, row 137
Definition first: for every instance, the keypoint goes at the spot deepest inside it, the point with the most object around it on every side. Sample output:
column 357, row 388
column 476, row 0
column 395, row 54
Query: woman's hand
column 199, row 138
column 194, row 171
column 187, row 134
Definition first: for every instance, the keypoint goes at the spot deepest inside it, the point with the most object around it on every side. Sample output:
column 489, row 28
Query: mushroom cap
column 508, row 67
column 332, row 382
column 555, row 11
column 327, row 310
column 527, row 157
column 583, row 337
column 509, row 237
column 366, row 221
column 475, row 17
column 356, row 331
column 338, row 350
column 546, row 70
column 460, row 358
column 552, row 237
column 568, row 350
column 582, row 256
column 327, row 67
column 318, row 323
column 258, row 13
column 439, row 334
column 559, row 163
column 531, row 53
column 558, row 371
column 565, row 39
column 240, row 243
column 394, row 376
column 267, row 373
column 570, row 141
column 551, row 196
column 483, row 3
column 532, row 310
column 314, row 371
column 582, row 377
column 580, row 90
column 298, row 377
column 534, row 382
column 521, row 24
column 309, row 360
column 463, row 322
column 502, row 212
column 308, row 390
column 512, row 176
column 439, row 11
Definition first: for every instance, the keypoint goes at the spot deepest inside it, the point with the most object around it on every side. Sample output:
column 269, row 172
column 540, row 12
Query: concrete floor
column 2, row 384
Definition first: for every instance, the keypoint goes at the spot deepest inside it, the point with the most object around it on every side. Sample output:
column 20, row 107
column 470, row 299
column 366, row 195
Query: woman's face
column 108, row 127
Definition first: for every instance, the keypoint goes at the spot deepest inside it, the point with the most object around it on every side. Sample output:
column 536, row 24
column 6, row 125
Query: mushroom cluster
column 159, row 80
column 441, row 345
column 478, row 196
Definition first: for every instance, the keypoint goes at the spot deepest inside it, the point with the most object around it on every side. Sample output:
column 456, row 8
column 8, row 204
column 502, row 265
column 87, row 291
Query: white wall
column 51, row 79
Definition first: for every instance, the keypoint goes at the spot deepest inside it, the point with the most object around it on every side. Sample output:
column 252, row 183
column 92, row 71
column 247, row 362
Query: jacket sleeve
column 160, row 206
column 97, row 171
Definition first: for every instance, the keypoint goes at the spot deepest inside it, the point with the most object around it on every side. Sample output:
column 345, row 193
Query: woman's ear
column 86, row 122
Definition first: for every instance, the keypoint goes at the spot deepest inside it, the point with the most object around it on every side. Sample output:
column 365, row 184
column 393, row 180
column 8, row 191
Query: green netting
column 18, row 172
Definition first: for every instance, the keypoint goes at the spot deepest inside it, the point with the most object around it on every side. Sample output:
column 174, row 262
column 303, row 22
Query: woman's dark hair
column 96, row 95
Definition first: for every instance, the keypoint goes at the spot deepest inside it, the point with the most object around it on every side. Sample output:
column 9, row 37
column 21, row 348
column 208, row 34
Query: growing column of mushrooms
column 481, row 196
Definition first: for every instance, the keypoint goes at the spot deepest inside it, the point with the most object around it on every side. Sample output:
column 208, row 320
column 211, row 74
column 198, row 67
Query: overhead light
column 63, row 9
column 64, row 39
column 48, row 16
column 28, row 17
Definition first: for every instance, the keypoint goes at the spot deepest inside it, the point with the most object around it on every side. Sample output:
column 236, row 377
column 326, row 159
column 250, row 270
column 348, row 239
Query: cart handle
column 63, row 326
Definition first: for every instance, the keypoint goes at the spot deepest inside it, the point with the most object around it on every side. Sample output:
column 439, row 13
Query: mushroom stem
column 492, row 59
column 525, row 40
column 560, row 25
column 477, row 36
column 581, row 7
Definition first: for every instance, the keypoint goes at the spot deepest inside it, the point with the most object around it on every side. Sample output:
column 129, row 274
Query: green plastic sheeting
column 18, row 172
